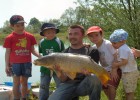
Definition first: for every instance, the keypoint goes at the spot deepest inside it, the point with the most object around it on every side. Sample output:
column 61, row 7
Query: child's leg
column 112, row 86
column 130, row 96
column 44, row 86
column 16, row 87
column 106, row 91
column 112, row 92
column 24, row 88
column 129, row 80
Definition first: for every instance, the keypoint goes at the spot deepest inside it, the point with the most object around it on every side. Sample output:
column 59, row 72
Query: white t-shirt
column 124, row 52
column 106, row 51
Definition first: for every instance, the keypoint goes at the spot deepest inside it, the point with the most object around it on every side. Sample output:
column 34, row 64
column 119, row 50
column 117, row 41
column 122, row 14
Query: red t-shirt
column 20, row 45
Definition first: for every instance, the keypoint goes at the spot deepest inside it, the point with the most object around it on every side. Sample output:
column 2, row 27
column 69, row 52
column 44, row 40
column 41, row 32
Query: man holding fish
column 83, row 82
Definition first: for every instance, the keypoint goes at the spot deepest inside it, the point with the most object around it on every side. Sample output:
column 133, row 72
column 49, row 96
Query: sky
column 41, row 9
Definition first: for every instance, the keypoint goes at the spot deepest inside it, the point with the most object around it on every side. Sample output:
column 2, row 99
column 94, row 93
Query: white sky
column 41, row 9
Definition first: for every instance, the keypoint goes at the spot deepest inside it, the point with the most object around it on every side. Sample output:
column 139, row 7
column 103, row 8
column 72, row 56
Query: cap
column 15, row 19
column 48, row 26
column 118, row 35
column 94, row 29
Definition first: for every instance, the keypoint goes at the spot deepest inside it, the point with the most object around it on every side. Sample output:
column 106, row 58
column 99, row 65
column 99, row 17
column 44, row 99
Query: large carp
column 72, row 64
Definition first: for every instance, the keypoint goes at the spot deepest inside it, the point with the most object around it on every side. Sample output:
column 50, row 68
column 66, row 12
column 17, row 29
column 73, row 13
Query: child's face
column 95, row 37
column 18, row 28
column 49, row 33
column 116, row 45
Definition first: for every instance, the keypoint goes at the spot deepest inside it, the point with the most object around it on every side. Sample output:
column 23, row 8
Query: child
column 126, row 62
column 50, row 43
column 107, row 54
column 19, row 46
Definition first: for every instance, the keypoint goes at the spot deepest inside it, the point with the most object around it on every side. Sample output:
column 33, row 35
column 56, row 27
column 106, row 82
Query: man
column 82, row 85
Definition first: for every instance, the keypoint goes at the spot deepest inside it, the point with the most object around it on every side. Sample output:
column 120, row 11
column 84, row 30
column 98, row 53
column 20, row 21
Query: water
column 3, row 77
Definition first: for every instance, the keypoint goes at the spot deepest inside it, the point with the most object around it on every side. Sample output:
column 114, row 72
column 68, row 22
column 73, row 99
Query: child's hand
column 87, row 44
column 114, row 65
column 114, row 75
column 8, row 70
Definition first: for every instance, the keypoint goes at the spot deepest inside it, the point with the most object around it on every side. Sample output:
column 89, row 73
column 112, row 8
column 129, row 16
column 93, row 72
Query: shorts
column 22, row 69
column 129, row 80
column 113, row 82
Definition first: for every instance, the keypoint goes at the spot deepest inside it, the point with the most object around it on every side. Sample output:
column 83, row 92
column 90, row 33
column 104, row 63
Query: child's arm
column 34, row 52
column 7, row 63
column 120, row 63
column 136, row 52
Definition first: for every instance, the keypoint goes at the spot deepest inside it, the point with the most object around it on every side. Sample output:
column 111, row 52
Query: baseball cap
column 48, row 26
column 94, row 29
column 118, row 35
column 15, row 19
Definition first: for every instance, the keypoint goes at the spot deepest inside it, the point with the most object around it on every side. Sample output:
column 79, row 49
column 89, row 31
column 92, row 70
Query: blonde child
column 126, row 62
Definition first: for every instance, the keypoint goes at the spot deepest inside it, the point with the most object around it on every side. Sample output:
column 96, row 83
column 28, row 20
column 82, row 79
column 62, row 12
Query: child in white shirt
column 126, row 62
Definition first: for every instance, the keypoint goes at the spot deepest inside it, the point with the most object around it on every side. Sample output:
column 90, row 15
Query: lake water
column 35, row 69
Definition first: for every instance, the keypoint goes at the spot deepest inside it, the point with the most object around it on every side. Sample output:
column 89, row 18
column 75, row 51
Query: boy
column 19, row 46
column 50, row 43
column 107, row 54
column 126, row 62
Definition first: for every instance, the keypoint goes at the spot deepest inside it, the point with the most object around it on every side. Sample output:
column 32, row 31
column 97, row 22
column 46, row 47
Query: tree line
column 108, row 14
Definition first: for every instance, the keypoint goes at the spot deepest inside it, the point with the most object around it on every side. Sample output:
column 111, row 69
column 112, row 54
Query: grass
column 120, row 93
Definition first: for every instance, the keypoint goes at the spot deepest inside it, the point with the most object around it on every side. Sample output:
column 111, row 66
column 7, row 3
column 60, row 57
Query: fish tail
column 104, row 78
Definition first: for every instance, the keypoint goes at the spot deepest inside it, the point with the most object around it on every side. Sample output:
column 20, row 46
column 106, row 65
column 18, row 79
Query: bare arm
column 120, row 63
column 7, row 63
column 136, row 52
column 34, row 52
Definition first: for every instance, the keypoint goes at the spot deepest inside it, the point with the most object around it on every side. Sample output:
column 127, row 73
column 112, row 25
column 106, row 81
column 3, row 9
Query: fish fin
column 71, row 75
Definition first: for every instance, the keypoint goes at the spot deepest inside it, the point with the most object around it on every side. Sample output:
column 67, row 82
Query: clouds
column 41, row 9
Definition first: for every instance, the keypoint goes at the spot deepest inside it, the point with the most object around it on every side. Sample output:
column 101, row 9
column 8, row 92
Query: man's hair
column 78, row 26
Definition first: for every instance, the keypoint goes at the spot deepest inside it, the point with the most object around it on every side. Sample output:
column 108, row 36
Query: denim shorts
column 22, row 69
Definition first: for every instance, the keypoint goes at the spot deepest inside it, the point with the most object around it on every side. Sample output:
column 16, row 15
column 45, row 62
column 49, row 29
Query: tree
column 110, row 15
column 6, row 29
column 34, row 25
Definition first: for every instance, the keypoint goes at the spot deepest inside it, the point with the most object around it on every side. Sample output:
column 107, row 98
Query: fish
column 72, row 64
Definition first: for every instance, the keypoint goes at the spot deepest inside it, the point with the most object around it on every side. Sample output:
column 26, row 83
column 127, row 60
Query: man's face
column 75, row 36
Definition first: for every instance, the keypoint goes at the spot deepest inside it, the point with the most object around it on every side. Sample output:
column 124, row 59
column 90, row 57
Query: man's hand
column 86, row 72
column 60, row 74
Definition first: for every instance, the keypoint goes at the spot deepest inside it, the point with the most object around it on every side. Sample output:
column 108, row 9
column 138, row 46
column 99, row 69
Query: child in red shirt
column 19, row 46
